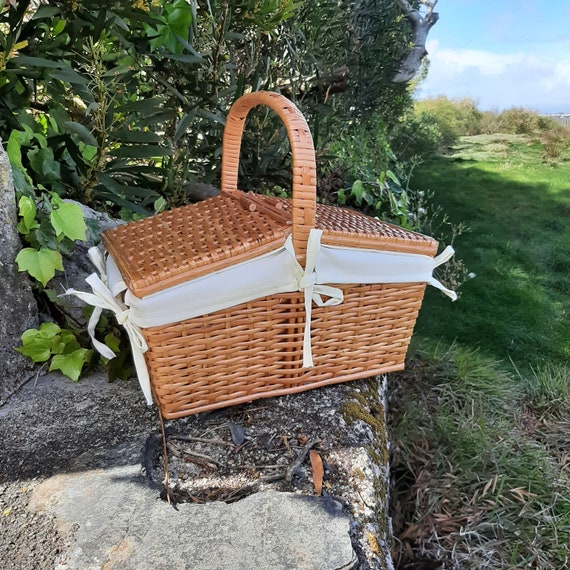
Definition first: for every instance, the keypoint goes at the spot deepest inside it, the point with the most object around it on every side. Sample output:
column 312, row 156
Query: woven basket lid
column 187, row 242
column 348, row 228
column 184, row 243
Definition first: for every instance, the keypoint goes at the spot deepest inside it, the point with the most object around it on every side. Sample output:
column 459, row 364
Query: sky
column 501, row 53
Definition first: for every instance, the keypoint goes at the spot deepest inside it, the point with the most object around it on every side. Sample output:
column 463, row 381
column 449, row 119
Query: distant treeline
column 444, row 120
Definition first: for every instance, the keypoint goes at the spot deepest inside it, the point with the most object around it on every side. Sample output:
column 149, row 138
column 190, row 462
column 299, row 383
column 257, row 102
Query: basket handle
column 304, row 168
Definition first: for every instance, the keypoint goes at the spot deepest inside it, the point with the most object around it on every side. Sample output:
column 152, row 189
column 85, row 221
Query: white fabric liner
column 269, row 274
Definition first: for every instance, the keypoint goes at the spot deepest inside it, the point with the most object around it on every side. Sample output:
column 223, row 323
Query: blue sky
column 501, row 53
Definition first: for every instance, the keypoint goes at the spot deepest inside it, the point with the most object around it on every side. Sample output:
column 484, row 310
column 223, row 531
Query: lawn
column 517, row 207
column 479, row 419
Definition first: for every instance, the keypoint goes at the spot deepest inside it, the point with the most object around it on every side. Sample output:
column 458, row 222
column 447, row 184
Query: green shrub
column 488, row 125
column 360, row 169
column 416, row 135
column 555, row 140
column 518, row 121
column 455, row 118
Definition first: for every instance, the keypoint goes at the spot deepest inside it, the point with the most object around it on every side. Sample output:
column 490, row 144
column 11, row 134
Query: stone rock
column 18, row 310
column 120, row 524
column 80, row 444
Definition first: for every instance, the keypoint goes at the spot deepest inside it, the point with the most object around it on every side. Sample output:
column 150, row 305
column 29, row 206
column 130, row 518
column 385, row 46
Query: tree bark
column 421, row 25
column 334, row 82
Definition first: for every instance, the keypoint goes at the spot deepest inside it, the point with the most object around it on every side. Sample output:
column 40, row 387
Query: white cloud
column 454, row 61
column 562, row 73
column 486, row 63
column 499, row 81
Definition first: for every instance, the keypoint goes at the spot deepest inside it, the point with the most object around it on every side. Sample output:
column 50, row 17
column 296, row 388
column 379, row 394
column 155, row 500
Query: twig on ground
column 290, row 473
column 201, row 440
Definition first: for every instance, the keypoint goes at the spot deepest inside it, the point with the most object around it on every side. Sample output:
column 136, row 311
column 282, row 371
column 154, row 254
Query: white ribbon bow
column 442, row 258
column 103, row 298
column 306, row 280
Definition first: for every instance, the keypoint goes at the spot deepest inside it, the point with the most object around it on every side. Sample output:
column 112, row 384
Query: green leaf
column 43, row 162
column 129, row 136
column 185, row 58
column 27, row 210
column 49, row 330
column 176, row 24
column 70, row 364
column 357, row 191
column 82, row 132
column 46, row 12
column 45, row 235
column 89, row 153
column 41, row 265
column 113, row 342
column 214, row 117
column 29, row 335
column 66, row 246
column 22, row 181
column 30, row 61
column 38, row 344
column 141, row 151
column 68, row 75
column 392, row 177
column 69, row 342
column 184, row 123
column 13, row 148
column 39, row 349
column 68, row 220
column 146, row 107
column 179, row 17
column 160, row 204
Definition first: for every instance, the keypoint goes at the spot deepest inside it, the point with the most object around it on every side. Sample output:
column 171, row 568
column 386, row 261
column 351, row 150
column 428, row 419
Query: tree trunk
column 421, row 25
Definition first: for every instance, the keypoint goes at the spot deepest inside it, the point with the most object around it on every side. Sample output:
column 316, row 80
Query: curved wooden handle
column 304, row 167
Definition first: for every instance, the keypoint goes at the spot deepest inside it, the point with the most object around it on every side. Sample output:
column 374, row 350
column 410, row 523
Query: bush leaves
column 67, row 220
column 40, row 264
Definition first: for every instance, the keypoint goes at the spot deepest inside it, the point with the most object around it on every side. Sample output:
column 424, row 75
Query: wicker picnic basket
column 255, row 349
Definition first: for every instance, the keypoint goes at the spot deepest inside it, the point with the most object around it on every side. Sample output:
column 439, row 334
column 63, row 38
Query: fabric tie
column 306, row 279
column 103, row 298
column 442, row 258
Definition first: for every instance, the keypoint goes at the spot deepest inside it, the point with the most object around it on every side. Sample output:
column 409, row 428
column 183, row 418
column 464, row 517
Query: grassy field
column 480, row 419
column 517, row 206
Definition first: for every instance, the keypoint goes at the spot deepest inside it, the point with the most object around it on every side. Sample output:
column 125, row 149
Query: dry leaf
column 318, row 470
column 522, row 495
column 238, row 434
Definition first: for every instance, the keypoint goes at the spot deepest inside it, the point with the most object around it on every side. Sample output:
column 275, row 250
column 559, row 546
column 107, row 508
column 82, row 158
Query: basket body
column 255, row 349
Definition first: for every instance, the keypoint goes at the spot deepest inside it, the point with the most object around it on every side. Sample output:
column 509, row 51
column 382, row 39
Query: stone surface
column 122, row 525
column 18, row 310
column 73, row 492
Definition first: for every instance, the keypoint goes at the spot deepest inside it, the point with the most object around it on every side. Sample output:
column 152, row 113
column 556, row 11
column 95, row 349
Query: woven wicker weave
column 254, row 350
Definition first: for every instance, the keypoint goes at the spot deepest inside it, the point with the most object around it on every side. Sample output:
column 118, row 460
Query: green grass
column 517, row 207
column 481, row 416
column 479, row 479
